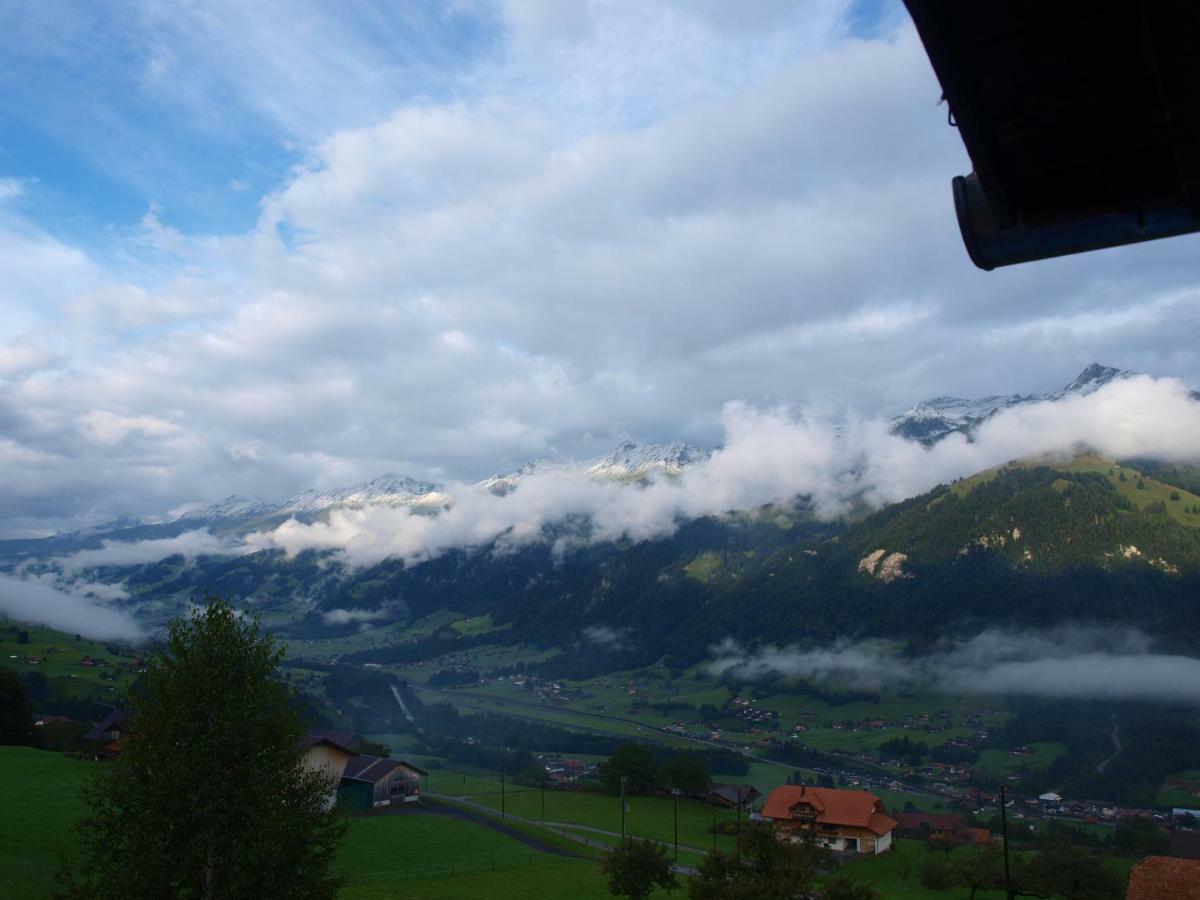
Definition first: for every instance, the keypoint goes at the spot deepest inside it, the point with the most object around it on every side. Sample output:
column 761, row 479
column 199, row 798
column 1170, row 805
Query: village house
column 947, row 827
column 370, row 781
column 111, row 732
column 852, row 821
column 731, row 796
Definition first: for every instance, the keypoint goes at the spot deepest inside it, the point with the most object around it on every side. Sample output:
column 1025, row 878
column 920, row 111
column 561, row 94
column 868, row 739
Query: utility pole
column 738, row 836
column 1004, row 833
column 543, row 783
column 714, row 826
column 622, row 809
column 502, row 809
column 675, row 794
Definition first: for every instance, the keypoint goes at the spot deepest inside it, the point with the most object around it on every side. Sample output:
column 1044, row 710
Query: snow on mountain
column 390, row 490
column 629, row 461
column 632, row 461
column 931, row 420
column 232, row 508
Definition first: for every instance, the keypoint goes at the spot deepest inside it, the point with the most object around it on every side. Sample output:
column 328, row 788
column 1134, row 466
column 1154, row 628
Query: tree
column 635, row 867
column 768, row 868
column 686, row 773
column 1063, row 870
column 635, row 763
column 210, row 798
column 1139, row 837
column 843, row 887
column 976, row 869
column 22, row 637
column 533, row 775
column 16, row 715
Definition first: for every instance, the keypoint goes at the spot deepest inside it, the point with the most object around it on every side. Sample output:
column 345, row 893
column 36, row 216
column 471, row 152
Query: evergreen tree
column 209, row 798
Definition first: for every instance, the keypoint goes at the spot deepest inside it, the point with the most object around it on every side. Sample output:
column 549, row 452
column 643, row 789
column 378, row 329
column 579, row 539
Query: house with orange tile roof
column 852, row 821
column 1164, row 878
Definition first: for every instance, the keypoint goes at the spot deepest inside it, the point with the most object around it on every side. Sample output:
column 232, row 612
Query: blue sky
column 257, row 247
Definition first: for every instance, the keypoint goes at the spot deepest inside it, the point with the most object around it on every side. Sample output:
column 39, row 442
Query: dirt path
column 1116, row 742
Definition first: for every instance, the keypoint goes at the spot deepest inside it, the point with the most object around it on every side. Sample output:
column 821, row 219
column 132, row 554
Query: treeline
column 1155, row 740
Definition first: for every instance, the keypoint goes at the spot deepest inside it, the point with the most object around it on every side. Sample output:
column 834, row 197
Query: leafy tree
column 16, row 715
column 533, row 775
column 1061, row 869
column 843, row 887
column 1140, row 837
column 210, row 798
column 635, row 763
column 686, row 773
column 22, row 637
column 976, row 869
column 635, row 867
column 768, row 868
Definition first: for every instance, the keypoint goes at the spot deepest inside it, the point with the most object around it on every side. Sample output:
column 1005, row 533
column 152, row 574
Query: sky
column 257, row 248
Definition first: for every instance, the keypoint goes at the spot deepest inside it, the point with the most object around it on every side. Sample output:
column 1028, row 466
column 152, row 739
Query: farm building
column 853, row 821
column 111, row 732
column 377, row 781
column 731, row 796
column 323, row 752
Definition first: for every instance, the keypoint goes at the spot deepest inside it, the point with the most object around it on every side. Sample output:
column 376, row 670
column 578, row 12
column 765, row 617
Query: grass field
column 401, row 856
column 60, row 659
column 40, row 794
column 651, row 817
column 1001, row 763
column 408, row 856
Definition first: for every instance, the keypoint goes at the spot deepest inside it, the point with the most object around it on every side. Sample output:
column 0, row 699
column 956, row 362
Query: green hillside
column 402, row 855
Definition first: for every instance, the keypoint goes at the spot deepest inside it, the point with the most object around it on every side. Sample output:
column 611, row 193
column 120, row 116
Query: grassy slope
column 1155, row 491
column 62, row 667
column 386, row 856
column 40, row 805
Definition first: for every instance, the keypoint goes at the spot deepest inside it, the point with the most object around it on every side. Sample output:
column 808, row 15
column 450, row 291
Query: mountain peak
column 931, row 420
column 1094, row 377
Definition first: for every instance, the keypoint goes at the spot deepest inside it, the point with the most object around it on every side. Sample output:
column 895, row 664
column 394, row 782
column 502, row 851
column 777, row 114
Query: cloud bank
column 190, row 545
column 769, row 456
column 67, row 609
column 1063, row 662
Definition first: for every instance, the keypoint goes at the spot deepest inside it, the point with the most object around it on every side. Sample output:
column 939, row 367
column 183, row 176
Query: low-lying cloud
column 358, row 616
column 1061, row 662
column 68, row 609
column 769, row 456
column 190, row 545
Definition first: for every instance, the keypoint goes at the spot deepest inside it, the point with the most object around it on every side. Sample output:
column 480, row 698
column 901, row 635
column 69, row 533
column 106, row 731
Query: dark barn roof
column 115, row 719
column 365, row 767
column 1082, row 121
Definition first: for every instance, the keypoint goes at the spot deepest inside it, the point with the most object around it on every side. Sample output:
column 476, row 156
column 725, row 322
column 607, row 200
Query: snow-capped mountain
column 629, row 461
column 232, row 508
column 632, row 461
column 391, row 490
column 931, row 420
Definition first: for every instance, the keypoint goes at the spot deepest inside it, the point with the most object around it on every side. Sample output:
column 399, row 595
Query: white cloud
column 64, row 609
column 768, row 456
column 1064, row 662
column 190, row 545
